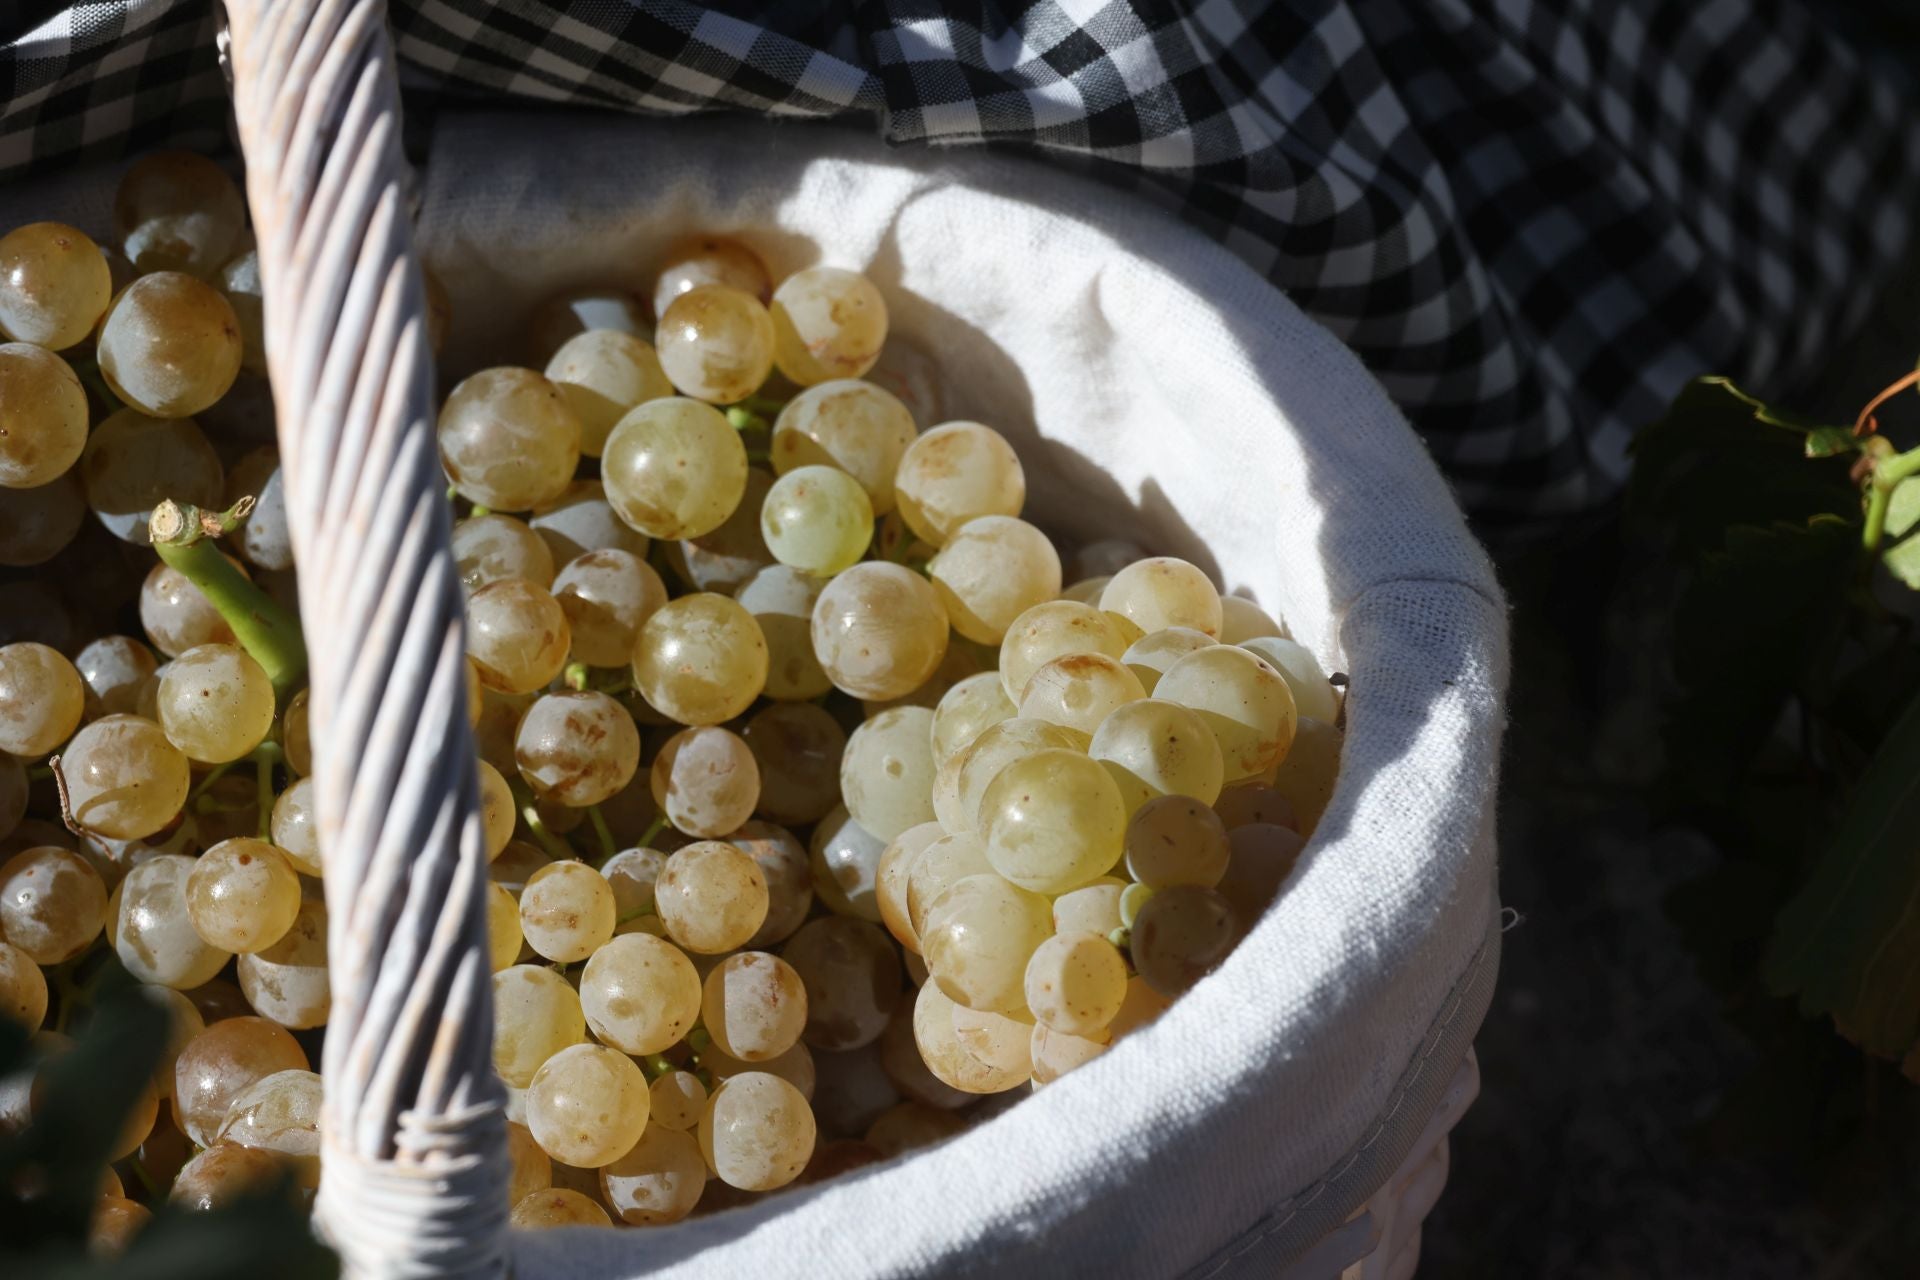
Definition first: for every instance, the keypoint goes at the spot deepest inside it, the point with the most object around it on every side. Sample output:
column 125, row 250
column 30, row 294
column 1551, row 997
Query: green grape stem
column 264, row 757
column 602, row 832
column 654, row 828
column 1884, row 478
column 765, row 406
column 557, row 849
column 656, row 1065
column 576, row 676
column 183, row 534
column 747, row 420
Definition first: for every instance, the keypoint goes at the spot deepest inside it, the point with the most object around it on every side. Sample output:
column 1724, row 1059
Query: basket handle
column 413, row 1130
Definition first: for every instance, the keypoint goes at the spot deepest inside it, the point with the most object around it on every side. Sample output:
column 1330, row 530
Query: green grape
column 817, row 520
column 955, row 473
column 152, row 931
column 1080, row 691
column 23, row 989
column 990, row 572
column 1250, row 802
column 535, row 1015
column 706, row 781
column 674, row 468
column 517, row 634
column 757, row 1133
column 54, row 285
column 43, row 416
column 886, row 775
column 1176, row 840
column 124, row 779
column 632, row 873
column 953, row 1062
column 1242, row 699
column 879, row 630
column 1307, row 774
column 1164, row 592
column 700, row 659
column 781, row 600
column 504, row 938
column 1053, row 821
column 489, row 548
column 855, row 426
column 287, row 980
column 678, row 1100
column 602, row 373
column 795, row 1066
column 1261, row 857
column 295, row 828
column 1181, row 935
column 716, row 343
column 967, row 710
column 53, row 904
column 170, row 345
column 844, row 858
column 280, row 1113
column 566, row 911
column 1156, row 748
column 607, row 596
column 240, row 281
column 263, row 540
column 723, row 559
column 1313, row 694
column 998, row 746
column 223, row 1062
column 132, row 463
column 754, row 1006
column 711, row 896
column 242, row 895
column 1055, row 1053
column 1151, row 655
column 556, row 1207
column 37, row 524
column 978, row 937
column 911, row 1126
column 508, row 440
column 827, row 323
column 1056, row 629
column 1093, row 908
column 707, row 260
column 797, row 747
column 660, row 1180
column 587, row 1105
column 177, row 616
column 851, row 976
column 178, row 211
column 640, row 993
column 581, row 520
column 41, row 699
column 567, row 315
column 940, row 866
column 576, row 749
column 215, row 703
column 1242, row 620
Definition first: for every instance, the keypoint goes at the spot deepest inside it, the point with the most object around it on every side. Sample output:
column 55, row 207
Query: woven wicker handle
column 414, row 1169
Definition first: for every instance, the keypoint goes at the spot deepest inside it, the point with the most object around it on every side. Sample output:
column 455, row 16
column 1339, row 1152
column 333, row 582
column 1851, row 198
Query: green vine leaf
column 1848, row 945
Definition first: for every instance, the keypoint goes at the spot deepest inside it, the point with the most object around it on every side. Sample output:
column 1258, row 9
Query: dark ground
column 1607, row 1059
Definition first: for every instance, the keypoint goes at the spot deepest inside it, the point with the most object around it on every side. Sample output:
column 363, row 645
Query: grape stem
column 747, row 420
column 654, row 828
column 602, row 832
column 657, row 1065
column 766, row 406
column 264, row 757
column 214, row 775
column 66, row 802
column 575, row 677
column 557, row 849
column 183, row 534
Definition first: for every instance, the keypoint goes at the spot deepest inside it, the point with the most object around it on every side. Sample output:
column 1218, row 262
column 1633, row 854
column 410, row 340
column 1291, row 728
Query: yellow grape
column 716, row 343
column 602, row 373
column 700, row 659
column 576, row 748
column 517, row 635
column 556, row 1207
column 827, row 323
column 1080, row 691
column 879, row 630
column 178, row 211
column 1176, row 840
column 660, row 1180
column 177, row 616
column 817, row 520
column 953, row 1062
column 851, row 974
column 709, row 260
column 287, row 981
column 978, row 937
column 1055, row 629
column 674, row 468
column 508, row 440
column 587, row 1105
column 998, row 746
column 1313, row 694
column 1180, row 935
column 43, row 416
column 640, row 993
column 886, row 774
column 855, row 426
column 1241, row 699
column 221, row 1063
column 580, row 520
column 1156, row 748
column 53, row 904
column 152, row 930
column 132, row 463
column 566, row 911
column 781, row 600
column 124, row 779
column 41, row 699
column 54, row 285
column 607, row 596
column 1151, row 655
column 170, row 345
column 758, row 1132
column 215, row 703
column 243, row 895
column 992, row 570
column 504, row 938
column 491, row 547
column 712, row 897
column 535, row 1015
column 754, row 1006
column 797, row 747
column 1164, row 592
column 1242, row 620
column 955, row 473
column 1053, row 821
column 706, row 781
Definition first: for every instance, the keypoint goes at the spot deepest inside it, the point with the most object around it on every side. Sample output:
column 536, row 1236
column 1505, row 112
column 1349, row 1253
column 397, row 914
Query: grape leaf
column 1848, row 944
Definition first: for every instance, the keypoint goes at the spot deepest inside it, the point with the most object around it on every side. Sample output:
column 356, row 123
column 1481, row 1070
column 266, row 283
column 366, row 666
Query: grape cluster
column 820, row 804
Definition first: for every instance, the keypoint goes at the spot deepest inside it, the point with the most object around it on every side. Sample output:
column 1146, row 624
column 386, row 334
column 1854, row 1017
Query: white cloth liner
column 1155, row 388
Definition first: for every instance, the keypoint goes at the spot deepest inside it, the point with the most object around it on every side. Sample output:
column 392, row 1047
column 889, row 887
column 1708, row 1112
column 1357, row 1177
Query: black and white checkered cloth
column 1533, row 219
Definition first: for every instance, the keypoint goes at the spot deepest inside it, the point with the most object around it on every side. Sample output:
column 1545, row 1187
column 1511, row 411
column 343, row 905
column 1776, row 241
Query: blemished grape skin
column 53, row 904
column 1151, row 655
column 577, row 748
column 23, row 989
column 1080, row 691
column 1156, row 748
column 757, row 1133
column 508, row 440
column 41, row 699
column 1055, row 629
column 640, row 994
column 781, row 601
column 535, row 1015
column 798, row 747
column 567, row 912
column 754, row 1006
column 132, row 463
column 783, row 864
column 587, row 1105
column 1241, row 699
column 43, row 416
column 243, row 895
column 711, row 896
column 845, row 859
column 288, row 981
column 716, row 343
column 491, row 547
column 221, row 1063
column 557, row 1207
column 517, row 635
column 124, row 779
column 704, row 260
column 603, row 373
column 856, row 426
column 215, row 703
column 957, row 472
column 978, row 937
column 54, row 285
column 851, row 974
column 879, row 630
column 580, row 520
column 937, row 868
column 949, row 1060
column 607, row 596
column 152, row 931
column 674, row 468
column 1164, row 592
column 170, row 345
column 992, row 570
column 886, row 773
column 700, row 659
column 280, row 1113
column 1076, row 983
column 660, row 1180
column 706, row 781
column 827, row 323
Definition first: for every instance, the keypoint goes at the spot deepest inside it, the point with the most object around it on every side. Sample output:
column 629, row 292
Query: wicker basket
column 414, row 1145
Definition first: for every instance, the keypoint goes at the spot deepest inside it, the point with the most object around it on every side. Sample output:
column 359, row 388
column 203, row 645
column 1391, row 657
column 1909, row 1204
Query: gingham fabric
column 1532, row 219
